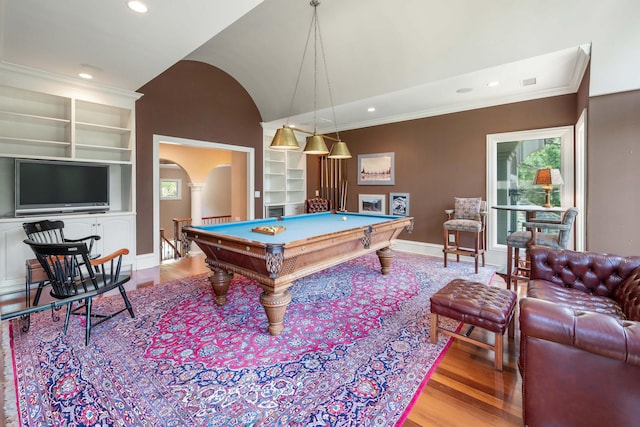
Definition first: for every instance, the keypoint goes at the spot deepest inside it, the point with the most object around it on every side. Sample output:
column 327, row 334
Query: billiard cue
column 329, row 164
column 344, row 195
column 339, row 180
column 322, row 160
column 331, row 180
column 326, row 178
column 321, row 176
column 336, row 195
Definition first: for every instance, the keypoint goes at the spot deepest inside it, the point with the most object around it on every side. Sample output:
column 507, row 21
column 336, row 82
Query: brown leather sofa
column 580, row 340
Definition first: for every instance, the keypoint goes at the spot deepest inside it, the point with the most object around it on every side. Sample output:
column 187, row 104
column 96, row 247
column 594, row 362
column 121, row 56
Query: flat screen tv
column 47, row 186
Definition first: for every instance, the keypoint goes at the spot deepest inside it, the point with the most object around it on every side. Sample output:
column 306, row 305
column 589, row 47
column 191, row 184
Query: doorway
column 244, row 191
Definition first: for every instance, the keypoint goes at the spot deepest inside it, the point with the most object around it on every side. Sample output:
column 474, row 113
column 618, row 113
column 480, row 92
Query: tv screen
column 54, row 186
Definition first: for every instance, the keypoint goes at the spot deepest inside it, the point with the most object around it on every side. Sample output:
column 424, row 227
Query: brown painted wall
column 196, row 101
column 613, row 179
column 439, row 158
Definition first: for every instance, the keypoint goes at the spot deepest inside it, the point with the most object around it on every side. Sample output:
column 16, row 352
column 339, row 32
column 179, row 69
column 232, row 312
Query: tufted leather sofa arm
column 596, row 333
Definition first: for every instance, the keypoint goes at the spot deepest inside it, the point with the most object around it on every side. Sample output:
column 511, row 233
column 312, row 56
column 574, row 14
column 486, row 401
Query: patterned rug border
column 427, row 377
column 9, row 404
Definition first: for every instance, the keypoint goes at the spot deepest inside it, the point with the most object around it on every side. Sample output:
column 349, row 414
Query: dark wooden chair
column 317, row 204
column 75, row 278
column 47, row 231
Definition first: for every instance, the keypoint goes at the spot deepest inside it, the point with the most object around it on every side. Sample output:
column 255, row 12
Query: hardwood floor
column 464, row 390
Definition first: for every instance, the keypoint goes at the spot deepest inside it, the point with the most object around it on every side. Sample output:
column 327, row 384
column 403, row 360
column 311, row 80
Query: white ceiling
column 405, row 58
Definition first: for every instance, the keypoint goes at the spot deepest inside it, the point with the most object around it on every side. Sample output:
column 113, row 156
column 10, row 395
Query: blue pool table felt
column 297, row 227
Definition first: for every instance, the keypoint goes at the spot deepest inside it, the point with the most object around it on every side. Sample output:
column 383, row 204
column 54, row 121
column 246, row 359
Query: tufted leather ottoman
column 478, row 305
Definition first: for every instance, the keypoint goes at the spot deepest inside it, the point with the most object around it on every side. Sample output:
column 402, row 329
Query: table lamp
column 547, row 178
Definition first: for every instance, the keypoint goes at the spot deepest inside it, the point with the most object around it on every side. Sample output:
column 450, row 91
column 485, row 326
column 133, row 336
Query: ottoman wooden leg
column 497, row 349
column 512, row 324
column 434, row 328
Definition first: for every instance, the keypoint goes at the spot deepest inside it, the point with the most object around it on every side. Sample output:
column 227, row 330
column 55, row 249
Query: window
column 170, row 189
column 513, row 159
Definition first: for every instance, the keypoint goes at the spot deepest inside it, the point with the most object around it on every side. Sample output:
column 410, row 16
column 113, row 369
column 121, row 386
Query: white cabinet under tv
column 51, row 118
column 116, row 230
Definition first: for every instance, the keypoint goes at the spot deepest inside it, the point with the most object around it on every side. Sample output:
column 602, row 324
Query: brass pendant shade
column 339, row 150
column 316, row 145
column 284, row 139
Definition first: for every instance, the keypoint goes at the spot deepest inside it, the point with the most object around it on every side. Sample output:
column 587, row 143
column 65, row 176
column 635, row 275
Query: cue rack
column 333, row 181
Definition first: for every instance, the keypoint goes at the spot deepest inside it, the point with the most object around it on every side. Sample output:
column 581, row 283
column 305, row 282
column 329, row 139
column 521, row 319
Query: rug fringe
column 9, row 392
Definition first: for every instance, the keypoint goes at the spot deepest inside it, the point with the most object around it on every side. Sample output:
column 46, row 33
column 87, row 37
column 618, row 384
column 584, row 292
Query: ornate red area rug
column 354, row 351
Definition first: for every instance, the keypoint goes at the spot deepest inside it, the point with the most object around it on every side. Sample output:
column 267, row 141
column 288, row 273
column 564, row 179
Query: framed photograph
column 399, row 204
column 372, row 204
column 376, row 169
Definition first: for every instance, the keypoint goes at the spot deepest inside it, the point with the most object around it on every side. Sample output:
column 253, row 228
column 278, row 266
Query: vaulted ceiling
column 407, row 59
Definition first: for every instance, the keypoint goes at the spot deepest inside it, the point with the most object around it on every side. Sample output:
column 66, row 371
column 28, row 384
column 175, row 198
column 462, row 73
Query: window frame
column 178, row 182
column 566, row 135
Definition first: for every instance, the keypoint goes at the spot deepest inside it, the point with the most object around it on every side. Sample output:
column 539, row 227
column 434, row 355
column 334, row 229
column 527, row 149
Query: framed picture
column 399, row 204
column 372, row 204
column 376, row 169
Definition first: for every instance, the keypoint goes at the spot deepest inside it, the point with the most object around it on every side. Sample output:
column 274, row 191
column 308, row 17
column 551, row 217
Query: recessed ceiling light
column 137, row 6
column 85, row 76
column 371, row 109
column 464, row 90
column 493, row 84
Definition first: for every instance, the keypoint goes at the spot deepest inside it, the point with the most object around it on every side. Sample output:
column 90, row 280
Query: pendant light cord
column 326, row 73
column 304, row 54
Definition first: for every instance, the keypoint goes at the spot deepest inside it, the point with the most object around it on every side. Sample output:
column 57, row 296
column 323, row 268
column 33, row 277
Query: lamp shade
column 339, row 150
column 284, row 139
column 316, row 145
column 548, row 176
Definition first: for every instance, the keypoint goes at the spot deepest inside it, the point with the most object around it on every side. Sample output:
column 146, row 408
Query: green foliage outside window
column 549, row 156
column 170, row 189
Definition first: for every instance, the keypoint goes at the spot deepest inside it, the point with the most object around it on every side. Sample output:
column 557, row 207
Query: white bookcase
column 50, row 117
column 284, row 179
column 39, row 125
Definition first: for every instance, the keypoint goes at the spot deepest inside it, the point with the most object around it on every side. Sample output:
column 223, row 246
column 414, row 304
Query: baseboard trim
column 492, row 257
column 149, row 260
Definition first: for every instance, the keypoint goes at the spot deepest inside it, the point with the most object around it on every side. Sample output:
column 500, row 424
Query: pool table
column 306, row 244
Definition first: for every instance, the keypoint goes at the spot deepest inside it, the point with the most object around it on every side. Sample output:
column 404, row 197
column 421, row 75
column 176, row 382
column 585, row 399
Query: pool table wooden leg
column 220, row 280
column 385, row 256
column 275, row 305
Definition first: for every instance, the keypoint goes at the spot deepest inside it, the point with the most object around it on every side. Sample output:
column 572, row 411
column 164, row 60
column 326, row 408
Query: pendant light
column 284, row 138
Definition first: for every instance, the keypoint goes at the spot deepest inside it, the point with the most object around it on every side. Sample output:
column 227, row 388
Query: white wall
column 216, row 195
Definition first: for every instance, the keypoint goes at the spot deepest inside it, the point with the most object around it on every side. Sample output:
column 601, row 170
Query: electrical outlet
column 452, row 238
